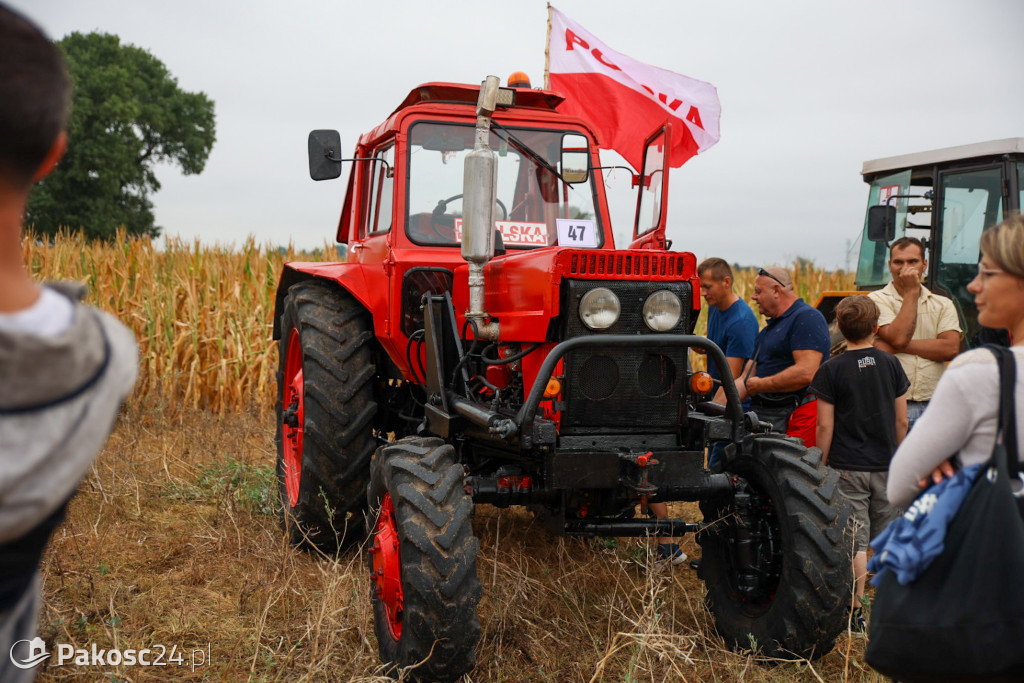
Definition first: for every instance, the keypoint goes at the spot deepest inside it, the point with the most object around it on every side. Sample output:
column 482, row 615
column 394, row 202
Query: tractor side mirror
column 881, row 223
column 324, row 154
column 575, row 159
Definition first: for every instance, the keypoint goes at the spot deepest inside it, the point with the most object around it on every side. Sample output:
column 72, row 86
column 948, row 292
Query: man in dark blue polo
column 792, row 345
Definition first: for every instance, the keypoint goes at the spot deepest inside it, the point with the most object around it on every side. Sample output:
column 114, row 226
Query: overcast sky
column 809, row 90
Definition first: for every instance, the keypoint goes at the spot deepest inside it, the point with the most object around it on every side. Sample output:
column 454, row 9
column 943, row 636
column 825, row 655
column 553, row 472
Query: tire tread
column 810, row 605
column 438, row 556
column 339, row 406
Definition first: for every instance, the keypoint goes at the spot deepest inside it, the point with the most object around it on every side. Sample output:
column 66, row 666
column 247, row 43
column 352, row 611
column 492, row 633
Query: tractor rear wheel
column 777, row 562
column 325, row 411
column 423, row 582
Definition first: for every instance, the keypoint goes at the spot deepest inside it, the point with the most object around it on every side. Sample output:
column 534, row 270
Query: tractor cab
column 946, row 198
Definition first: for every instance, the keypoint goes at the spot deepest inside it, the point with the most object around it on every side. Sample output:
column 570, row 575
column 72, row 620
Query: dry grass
column 174, row 537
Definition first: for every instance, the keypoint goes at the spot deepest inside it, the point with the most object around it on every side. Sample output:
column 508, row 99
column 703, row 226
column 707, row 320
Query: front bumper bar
column 527, row 413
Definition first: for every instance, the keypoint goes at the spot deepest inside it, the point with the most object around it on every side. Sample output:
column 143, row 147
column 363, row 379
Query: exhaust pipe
column 479, row 190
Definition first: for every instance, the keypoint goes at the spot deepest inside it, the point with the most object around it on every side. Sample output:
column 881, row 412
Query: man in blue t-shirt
column 731, row 323
column 790, row 348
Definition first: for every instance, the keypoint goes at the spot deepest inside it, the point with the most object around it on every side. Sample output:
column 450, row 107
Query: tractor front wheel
column 423, row 582
column 777, row 562
column 325, row 411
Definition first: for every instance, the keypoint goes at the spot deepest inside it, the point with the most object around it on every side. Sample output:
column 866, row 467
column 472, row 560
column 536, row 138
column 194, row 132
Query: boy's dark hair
column 718, row 267
column 35, row 93
column 904, row 242
column 857, row 316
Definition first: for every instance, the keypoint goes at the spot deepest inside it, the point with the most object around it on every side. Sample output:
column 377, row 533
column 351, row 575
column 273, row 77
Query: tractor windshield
column 532, row 198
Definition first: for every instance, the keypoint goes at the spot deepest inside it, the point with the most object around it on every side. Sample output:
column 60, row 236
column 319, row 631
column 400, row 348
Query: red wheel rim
column 292, row 403
column 387, row 566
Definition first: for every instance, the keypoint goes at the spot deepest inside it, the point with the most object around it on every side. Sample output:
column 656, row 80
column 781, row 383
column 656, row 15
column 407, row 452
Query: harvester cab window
column 873, row 264
column 1020, row 184
column 971, row 204
column 381, row 191
column 531, row 196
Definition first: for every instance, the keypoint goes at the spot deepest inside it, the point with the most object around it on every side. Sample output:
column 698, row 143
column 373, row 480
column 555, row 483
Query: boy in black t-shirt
column 862, row 417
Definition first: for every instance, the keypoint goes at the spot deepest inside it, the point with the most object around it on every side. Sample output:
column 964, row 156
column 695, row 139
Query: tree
column 127, row 115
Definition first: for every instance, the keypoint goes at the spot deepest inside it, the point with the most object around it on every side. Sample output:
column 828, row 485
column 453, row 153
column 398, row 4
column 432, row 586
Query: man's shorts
column 801, row 422
column 871, row 509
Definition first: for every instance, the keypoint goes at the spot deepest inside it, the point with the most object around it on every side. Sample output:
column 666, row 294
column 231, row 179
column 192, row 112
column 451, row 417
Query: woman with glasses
column 960, row 423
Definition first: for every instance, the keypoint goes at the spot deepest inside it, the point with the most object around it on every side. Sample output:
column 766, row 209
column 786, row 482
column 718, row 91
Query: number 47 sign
column 577, row 232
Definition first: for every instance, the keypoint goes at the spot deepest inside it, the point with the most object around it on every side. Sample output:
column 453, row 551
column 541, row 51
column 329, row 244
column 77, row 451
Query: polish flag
column 625, row 100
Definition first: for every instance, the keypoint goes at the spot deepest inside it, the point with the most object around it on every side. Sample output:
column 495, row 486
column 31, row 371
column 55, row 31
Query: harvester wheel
column 325, row 411
column 423, row 582
column 776, row 558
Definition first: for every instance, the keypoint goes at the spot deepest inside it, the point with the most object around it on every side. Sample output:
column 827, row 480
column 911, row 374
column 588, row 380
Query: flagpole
column 547, row 54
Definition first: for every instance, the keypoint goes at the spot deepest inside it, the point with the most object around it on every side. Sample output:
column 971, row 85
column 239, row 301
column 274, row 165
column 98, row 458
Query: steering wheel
column 442, row 206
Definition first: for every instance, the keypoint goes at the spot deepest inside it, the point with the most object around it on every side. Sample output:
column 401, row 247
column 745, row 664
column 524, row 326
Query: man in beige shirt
column 920, row 327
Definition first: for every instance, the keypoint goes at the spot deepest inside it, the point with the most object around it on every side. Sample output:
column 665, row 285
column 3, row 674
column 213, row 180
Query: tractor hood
column 522, row 289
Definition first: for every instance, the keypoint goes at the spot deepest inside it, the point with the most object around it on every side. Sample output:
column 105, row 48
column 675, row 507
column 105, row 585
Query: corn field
column 203, row 315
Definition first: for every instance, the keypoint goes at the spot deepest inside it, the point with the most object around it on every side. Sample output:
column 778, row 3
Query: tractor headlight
column 600, row 308
column 662, row 310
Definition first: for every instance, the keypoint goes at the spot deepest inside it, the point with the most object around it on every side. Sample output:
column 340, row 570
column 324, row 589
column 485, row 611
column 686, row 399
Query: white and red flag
column 625, row 100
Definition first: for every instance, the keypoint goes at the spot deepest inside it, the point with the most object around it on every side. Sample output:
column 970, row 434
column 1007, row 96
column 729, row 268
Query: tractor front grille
column 649, row 265
column 622, row 389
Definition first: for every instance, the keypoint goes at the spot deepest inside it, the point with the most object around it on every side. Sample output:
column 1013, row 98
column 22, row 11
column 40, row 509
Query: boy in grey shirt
column 64, row 368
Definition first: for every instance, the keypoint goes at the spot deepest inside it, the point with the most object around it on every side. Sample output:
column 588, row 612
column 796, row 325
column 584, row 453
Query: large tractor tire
column 325, row 411
column 424, row 586
column 777, row 560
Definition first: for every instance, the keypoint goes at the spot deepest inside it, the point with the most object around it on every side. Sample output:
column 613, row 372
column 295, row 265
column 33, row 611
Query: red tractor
column 485, row 342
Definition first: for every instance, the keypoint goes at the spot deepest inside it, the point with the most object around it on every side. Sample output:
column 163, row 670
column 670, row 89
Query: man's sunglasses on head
column 762, row 271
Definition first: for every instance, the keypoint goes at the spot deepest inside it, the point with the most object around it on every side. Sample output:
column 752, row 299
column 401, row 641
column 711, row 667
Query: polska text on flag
column 625, row 100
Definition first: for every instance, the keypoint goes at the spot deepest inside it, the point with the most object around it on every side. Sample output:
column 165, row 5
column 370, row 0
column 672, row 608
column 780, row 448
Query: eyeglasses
column 985, row 273
column 762, row 271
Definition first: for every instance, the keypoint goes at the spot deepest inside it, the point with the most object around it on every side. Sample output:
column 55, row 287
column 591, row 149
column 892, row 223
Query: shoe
column 669, row 553
column 695, row 563
column 857, row 622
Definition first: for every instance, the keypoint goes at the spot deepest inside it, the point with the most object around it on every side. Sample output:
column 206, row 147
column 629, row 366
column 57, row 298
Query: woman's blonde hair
column 1004, row 244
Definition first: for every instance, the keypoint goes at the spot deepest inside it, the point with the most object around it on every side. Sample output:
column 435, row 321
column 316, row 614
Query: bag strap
column 1007, row 429
column 749, row 367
